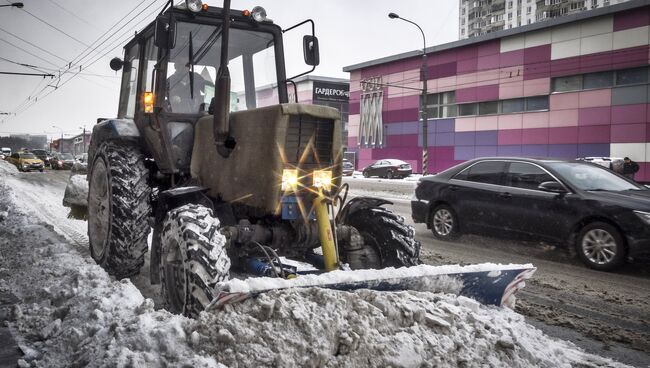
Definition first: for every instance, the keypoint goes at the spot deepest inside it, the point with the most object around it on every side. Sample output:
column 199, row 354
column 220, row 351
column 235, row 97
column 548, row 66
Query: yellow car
column 26, row 161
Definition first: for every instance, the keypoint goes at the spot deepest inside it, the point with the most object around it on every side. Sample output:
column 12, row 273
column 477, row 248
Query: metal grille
column 309, row 142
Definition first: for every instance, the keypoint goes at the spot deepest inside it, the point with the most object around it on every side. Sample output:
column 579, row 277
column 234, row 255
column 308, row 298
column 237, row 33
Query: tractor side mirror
column 165, row 34
column 116, row 64
column 310, row 50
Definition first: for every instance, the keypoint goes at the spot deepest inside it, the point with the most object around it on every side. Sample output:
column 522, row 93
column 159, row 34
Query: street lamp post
column 423, row 99
column 17, row 5
column 83, row 138
column 61, row 140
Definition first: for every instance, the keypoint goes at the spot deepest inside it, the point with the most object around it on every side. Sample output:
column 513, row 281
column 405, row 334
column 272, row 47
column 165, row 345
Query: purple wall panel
column 487, row 93
column 595, row 116
column 352, row 143
column 596, row 62
column 647, row 133
column 566, row 66
column 467, row 66
column 401, row 128
column 535, row 136
column 441, row 154
column 537, row 62
column 465, row 139
column 486, row 138
column 467, row 52
column 534, row 150
column 443, row 139
column 629, row 114
column 466, row 95
column 593, row 134
column 488, row 62
column 629, row 133
column 631, row 19
column 489, row 48
column 353, row 108
column 441, row 71
column 403, row 153
column 631, row 57
column 563, row 135
column 514, row 150
column 569, row 151
column 442, row 57
column 593, row 150
column 464, row 153
column 355, row 97
column 399, row 116
column 541, row 69
column 511, row 58
column 443, row 126
column 403, row 140
column 485, row 151
column 510, row 137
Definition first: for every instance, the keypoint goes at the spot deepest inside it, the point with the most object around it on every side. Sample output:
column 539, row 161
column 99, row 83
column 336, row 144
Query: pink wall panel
column 511, row 90
column 534, row 87
column 594, row 116
column 562, row 118
column 563, row 101
column 467, row 66
column 465, row 124
column 510, row 121
column 488, row 62
column 629, row 114
column 511, row 136
column 466, row 95
column 565, row 66
column 593, row 134
column 563, row 135
column 536, row 120
column 628, row 133
column 535, row 136
column 487, row 93
column 402, row 140
column 598, row 97
column 489, row 48
column 365, row 154
column 352, row 141
column 486, row 122
column 511, row 58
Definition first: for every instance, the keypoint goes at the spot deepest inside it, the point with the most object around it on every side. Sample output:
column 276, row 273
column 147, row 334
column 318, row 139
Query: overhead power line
column 29, row 74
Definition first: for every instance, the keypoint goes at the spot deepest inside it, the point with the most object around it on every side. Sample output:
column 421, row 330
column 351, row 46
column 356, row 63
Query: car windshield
column 27, row 155
column 591, row 177
column 66, row 156
column 198, row 49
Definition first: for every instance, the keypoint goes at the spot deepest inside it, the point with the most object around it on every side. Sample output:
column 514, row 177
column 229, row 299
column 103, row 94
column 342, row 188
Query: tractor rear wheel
column 118, row 208
column 193, row 259
column 388, row 241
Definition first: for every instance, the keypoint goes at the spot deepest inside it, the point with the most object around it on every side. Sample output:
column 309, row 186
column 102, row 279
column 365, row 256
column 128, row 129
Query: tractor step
column 488, row 283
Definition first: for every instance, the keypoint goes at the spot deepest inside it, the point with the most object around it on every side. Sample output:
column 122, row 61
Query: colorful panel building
column 570, row 87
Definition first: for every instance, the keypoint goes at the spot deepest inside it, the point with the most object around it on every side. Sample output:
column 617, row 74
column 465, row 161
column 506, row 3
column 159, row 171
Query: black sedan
column 43, row 155
column 605, row 216
column 388, row 169
column 62, row 161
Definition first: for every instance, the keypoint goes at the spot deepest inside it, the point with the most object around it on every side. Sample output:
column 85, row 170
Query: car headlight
column 645, row 216
column 323, row 179
column 289, row 179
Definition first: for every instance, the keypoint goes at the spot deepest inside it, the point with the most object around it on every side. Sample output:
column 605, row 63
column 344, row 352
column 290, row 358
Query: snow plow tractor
column 235, row 181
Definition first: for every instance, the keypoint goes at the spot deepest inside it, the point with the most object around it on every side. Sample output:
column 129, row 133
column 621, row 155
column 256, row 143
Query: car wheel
column 601, row 247
column 366, row 174
column 444, row 223
column 389, row 175
column 40, row 170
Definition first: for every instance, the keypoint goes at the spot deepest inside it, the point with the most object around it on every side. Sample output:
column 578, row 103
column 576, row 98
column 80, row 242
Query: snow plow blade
column 487, row 283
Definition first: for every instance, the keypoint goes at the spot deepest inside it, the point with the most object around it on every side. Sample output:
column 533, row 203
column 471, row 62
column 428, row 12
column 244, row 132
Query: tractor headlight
column 323, row 179
column 194, row 5
column 645, row 216
column 289, row 179
column 259, row 14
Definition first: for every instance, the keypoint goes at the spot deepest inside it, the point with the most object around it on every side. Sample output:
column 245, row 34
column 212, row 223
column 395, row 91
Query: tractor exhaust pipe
column 222, row 139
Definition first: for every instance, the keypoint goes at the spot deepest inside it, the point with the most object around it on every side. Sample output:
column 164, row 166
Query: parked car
column 6, row 151
column 388, row 168
column 348, row 168
column 605, row 216
column 82, row 157
column 43, row 155
column 26, row 161
column 62, row 161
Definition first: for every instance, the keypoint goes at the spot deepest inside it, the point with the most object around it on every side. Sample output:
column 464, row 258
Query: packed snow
column 76, row 192
column 71, row 313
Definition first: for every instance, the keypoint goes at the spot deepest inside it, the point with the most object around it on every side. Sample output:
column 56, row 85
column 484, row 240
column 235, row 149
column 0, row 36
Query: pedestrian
column 630, row 168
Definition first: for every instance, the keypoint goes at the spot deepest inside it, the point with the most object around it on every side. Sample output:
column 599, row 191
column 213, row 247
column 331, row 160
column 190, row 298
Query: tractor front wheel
column 193, row 259
column 388, row 242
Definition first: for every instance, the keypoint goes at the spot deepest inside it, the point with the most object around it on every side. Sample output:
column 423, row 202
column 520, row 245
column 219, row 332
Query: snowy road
column 583, row 304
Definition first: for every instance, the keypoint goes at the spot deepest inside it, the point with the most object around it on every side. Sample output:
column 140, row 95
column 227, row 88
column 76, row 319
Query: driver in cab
column 182, row 97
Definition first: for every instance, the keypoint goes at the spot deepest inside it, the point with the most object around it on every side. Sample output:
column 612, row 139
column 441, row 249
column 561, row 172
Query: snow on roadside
column 73, row 314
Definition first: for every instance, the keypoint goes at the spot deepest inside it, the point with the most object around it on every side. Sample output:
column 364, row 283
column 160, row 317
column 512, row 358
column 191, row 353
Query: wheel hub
column 599, row 246
column 443, row 222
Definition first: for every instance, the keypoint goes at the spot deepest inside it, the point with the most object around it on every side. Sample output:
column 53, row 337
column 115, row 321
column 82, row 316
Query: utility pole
column 83, row 138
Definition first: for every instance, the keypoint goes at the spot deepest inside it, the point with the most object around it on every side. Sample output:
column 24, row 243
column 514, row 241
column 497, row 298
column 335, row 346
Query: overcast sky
column 349, row 32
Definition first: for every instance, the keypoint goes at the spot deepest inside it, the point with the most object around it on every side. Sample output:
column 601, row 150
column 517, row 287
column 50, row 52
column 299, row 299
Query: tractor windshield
column 194, row 61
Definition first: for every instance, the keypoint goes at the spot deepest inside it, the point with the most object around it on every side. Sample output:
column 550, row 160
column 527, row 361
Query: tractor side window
column 150, row 57
column 129, row 82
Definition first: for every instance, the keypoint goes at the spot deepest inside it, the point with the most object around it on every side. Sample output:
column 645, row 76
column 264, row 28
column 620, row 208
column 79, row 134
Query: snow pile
column 76, row 192
column 73, row 314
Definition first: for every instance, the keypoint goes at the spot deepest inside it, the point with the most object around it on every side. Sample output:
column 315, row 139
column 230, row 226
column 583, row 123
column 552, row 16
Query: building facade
column 478, row 17
column 559, row 88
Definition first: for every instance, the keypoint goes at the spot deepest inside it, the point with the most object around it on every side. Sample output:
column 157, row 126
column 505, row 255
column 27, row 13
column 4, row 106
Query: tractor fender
column 167, row 201
column 360, row 203
column 111, row 129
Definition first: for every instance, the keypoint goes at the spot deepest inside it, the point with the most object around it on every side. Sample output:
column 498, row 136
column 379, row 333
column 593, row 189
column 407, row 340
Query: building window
column 467, row 109
column 488, row 108
column 441, row 105
column 597, row 80
column 511, row 106
column 570, row 83
column 537, row 103
column 509, row 16
column 631, row 76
